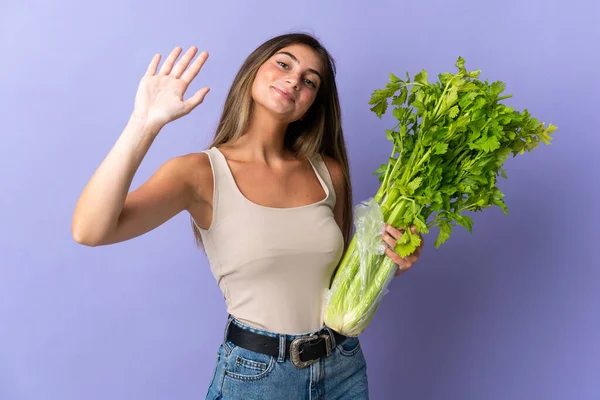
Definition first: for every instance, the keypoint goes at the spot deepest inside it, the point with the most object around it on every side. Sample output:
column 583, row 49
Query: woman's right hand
column 159, row 98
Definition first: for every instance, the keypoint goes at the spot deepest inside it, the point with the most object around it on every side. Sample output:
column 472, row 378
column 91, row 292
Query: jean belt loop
column 333, row 343
column 282, row 343
column 229, row 319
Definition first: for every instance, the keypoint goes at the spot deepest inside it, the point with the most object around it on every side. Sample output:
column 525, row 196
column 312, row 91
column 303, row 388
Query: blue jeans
column 244, row 374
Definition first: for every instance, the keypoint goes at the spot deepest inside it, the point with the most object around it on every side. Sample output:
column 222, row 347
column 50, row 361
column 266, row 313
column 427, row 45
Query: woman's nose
column 293, row 79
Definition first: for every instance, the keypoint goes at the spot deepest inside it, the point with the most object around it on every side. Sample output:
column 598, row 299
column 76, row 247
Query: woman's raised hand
column 159, row 99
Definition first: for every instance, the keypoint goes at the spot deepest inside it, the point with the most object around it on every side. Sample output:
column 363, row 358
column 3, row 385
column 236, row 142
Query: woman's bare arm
column 106, row 212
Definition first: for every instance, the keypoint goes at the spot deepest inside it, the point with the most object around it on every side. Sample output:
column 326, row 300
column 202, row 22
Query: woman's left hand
column 391, row 236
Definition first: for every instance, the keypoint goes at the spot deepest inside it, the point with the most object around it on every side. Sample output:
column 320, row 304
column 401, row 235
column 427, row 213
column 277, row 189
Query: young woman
column 270, row 201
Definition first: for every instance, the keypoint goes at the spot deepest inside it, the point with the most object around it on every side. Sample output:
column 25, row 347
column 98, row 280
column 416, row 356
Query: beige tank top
column 273, row 265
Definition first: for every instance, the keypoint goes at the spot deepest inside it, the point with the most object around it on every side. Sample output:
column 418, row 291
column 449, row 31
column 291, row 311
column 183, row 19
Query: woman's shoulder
column 335, row 171
column 199, row 174
column 337, row 179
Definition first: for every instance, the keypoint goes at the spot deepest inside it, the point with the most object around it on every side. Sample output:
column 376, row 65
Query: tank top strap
column 323, row 171
column 225, row 181
column 224, row 193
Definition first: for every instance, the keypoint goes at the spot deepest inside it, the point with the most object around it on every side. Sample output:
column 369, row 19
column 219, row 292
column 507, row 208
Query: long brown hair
column 320, row 131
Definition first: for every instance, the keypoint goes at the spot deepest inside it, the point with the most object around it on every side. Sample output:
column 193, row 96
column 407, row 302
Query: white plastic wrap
column 363, row 275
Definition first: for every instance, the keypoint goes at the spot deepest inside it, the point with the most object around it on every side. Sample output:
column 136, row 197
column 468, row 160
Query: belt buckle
column 295, row 349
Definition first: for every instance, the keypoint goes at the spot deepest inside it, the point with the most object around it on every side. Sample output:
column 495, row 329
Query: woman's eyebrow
column 293, row 57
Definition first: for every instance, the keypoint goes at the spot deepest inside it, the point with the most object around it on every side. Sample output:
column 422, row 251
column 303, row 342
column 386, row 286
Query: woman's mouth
column 283, row 94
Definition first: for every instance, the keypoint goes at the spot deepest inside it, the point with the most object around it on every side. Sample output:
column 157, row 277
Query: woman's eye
column 311, row 83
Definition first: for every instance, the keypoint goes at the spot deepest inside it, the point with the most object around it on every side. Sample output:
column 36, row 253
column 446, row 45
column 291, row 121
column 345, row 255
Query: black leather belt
column 303, row 351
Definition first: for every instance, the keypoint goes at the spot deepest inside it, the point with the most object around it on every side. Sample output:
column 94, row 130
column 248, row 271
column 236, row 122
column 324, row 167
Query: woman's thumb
column 196, row 99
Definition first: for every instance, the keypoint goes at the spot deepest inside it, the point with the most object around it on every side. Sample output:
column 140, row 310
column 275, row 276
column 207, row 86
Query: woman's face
column 295, row 70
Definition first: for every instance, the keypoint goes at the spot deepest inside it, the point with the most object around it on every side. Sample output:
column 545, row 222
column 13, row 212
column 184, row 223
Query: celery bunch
column 451, row 141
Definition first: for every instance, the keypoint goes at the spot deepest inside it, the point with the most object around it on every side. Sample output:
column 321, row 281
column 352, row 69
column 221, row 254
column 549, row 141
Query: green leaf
column 381, row 95
column 420, row 225
column 488, row 144
column 380, row 98
column 380, row 108
column 418, row 104
column 380, row 170
column 394, row 78
column 403, row 94
column 421, row 77
column 460, row 64
column 450, row 99
column 453, row 112
column 408, row 243
column 464, row 221
column 445, row 232
column 400, row 113
column 414, row 185
column 474, row 74
column 440, row 148
column 497, row 87
column 390, row 134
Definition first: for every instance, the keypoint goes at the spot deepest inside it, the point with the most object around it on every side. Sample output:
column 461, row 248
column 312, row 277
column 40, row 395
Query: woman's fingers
column 151, row 70
column 196, row 66
column 184, row 62
column 179, row 71
column 168, row 64
column 389, row 239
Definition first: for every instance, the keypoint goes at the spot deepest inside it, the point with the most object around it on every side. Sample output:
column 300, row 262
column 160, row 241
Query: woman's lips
column 281, row 92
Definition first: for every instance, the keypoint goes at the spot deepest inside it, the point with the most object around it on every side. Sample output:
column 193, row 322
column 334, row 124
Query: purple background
column 509, row 312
